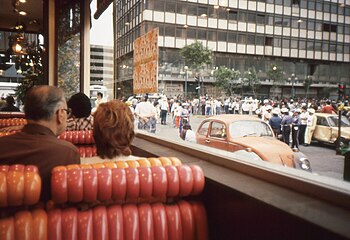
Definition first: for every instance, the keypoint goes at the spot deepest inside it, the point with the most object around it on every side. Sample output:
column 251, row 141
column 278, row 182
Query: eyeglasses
column 68, row 110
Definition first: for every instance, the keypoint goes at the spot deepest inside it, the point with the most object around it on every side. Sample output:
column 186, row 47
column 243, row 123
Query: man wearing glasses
column 37, row 144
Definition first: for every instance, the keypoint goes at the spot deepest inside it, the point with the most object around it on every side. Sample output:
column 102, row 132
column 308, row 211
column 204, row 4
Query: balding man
column 37, row 144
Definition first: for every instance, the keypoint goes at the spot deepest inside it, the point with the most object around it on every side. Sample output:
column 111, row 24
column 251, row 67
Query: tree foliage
column 251, row 80
column 307, row 84
column 196, row 55
column 275, row 73
column 227, row 79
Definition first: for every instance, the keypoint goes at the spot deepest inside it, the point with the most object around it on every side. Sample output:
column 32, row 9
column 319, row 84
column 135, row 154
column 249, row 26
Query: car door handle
column 207, row 141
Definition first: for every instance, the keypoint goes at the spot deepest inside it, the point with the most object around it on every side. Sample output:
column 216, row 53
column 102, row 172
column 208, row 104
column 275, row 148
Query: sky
column 101, row 32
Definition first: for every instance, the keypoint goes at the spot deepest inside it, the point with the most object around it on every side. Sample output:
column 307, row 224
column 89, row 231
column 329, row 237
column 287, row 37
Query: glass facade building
column 304, row 38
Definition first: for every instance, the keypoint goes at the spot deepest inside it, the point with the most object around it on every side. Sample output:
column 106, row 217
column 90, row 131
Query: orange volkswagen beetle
column 249, row 138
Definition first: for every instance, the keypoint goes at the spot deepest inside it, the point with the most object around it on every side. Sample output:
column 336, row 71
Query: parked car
column 326, row 130
column 249, row 138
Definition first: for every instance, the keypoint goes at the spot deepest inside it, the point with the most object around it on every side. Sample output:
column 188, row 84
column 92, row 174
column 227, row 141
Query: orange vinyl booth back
column 141, row 199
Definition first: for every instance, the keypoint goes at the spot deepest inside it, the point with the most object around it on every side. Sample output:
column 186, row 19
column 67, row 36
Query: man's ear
column 60, row 117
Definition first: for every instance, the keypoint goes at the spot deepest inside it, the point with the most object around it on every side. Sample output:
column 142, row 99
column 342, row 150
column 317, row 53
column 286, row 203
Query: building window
column 232, row 15
column 232, row 37
column 268, row 41
column 260, row 40
column 326, row 27
column 260, row 19
column 222, row 36
column 242, row 39
column 251, row 40
column 311, row 4
column 202, row 34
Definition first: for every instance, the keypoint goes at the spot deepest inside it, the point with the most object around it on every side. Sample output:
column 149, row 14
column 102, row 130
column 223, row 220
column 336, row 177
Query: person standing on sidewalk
column 164, row 108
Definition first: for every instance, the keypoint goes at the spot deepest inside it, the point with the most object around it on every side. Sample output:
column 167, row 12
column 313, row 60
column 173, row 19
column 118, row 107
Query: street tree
column 275, row 73
column 251, row 80
column 227, row 79
column 196, row 57
column 307, row 84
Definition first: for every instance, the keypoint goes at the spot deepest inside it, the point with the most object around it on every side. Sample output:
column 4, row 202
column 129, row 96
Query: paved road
column 323, row 159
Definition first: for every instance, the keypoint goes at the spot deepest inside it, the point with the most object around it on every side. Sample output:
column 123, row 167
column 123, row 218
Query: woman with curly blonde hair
column 113, row 132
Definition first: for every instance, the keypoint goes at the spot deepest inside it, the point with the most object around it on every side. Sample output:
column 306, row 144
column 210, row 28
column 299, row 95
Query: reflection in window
column 204, row 129
column 249, row 128
column 218, row 130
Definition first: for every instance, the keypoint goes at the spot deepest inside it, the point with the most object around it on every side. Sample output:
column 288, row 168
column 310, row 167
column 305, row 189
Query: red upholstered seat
column 131, row 201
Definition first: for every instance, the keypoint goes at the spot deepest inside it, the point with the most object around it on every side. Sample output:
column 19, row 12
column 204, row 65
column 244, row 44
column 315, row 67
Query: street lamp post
column 292, row 79
column 186, row 78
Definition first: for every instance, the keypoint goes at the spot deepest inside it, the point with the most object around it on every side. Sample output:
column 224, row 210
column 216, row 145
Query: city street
column 323, row 158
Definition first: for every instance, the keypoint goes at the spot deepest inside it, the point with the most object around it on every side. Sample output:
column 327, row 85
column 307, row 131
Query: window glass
column 191, row 33
column 181, row 8
column 232, row 15
column 212, row 36
column 159, row 6
column 218, row 130
column 242, row 38
column 192, row 10
column 319, row 45
column 170, row 30
column 311, row 25
column 303, row 4
column 260, row 40
column 249, row 128
column 232, row 37
column 310, row 45
column 251, row 39
column 251, row 17
column 319, row 6
column 222, row 36
column 302, row 45
column 311, row 4
column 170, row 7
column 202, row 34
column 285, row 43
column 204, row 129
column 260, row 19
column 242, row 16
column 294, row 44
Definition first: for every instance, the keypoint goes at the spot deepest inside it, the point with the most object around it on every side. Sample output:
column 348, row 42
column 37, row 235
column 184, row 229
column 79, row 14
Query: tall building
column 101, row 67
column 304, row 38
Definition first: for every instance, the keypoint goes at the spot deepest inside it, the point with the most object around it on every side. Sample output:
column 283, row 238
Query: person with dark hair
column 37, row 144
column 99, row 99
column 80, row 118
column 10, row 105
column 188, row 134
column 113, row 132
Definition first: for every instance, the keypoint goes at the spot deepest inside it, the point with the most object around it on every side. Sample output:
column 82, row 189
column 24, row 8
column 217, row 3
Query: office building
column 304, row 38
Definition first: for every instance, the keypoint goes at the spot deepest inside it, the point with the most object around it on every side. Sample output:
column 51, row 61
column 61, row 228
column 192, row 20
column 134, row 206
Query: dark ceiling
column 33, row 21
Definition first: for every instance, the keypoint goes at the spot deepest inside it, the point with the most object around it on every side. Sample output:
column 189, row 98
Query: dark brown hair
column 113, row 129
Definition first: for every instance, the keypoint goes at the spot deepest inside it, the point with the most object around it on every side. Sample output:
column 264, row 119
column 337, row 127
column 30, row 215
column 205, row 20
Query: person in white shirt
column 164, row 108
column 187, row 134
column 146, row 113
column 311, row 125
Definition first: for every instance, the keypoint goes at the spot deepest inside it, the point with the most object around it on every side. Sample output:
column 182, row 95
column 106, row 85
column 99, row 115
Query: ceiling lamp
column 22, row 13
column 22, row 1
